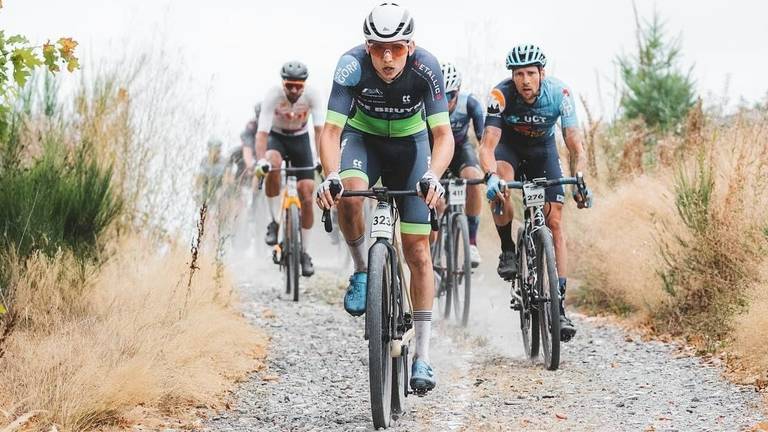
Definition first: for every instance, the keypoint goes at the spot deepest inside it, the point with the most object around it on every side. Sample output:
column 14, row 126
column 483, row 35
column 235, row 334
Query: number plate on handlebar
column 381, row 222
column 457, row 193
column 533, row 196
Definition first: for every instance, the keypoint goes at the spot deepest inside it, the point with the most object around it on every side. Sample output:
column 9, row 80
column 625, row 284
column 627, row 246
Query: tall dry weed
column 125, row 342
column 721, row 200
column 683, row 249
column 614, row 244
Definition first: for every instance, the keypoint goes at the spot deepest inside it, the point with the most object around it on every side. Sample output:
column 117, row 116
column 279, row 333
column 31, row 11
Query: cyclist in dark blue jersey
column 519, row 141
column 385, row 95
column 463, row 108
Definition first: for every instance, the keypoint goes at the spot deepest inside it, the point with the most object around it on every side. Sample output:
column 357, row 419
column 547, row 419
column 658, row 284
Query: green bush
column 59, row 201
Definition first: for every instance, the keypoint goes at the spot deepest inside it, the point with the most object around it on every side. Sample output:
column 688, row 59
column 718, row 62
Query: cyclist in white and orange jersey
column 282, row 134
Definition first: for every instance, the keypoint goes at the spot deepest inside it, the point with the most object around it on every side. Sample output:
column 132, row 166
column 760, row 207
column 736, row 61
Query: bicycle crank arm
column 396, row 346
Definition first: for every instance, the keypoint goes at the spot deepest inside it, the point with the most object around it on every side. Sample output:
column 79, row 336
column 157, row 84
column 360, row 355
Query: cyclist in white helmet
column 519, row 140
column 386, row 93
column 463, row 108
column 282, row 133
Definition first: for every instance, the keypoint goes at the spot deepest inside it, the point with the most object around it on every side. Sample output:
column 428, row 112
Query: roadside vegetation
column 678, row 239
column 106, row 320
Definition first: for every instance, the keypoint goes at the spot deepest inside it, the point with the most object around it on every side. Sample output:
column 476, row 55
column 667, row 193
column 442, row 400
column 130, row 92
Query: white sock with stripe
column 422, row 323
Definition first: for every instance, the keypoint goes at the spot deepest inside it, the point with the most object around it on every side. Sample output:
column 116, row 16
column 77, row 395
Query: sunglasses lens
column 294, row 86
column 397, row 50
column 451, row 95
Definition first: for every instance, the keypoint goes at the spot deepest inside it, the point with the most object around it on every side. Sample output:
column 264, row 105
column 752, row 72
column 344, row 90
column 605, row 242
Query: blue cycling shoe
column 354, row 299
column 422, row 377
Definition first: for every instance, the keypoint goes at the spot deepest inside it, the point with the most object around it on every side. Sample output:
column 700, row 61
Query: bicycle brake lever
column 327, row 221
column 433, row 219
column 335, row 188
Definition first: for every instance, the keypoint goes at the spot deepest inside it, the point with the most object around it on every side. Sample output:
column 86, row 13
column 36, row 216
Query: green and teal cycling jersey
column 404, row 107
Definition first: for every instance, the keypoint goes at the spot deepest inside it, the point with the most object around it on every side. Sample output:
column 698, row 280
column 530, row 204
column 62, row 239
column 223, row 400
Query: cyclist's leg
column 359, row 166
column 470, row 169
column 507, row 164
column 276, row 152
column 412, row 154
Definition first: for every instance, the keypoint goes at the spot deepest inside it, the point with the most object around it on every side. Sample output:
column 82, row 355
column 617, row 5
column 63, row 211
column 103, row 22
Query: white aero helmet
column 526, row 55
column 388, row 22
column 451, row 77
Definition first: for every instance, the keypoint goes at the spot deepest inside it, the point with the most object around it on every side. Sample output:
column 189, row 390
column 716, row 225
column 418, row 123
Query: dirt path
column 608, row 380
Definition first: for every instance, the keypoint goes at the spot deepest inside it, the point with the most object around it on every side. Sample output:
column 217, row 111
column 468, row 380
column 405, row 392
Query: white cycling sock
column 305, row 234
column 359, row 254
column 274, row 205
column 422, row 323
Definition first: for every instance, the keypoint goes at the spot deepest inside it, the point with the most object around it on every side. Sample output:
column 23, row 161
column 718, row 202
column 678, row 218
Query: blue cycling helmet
column 526, row 55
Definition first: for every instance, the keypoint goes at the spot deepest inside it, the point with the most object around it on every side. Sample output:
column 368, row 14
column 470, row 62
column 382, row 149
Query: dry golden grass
column 615, row 246
column 132, row 334
column 714, row 288
column 750, row 340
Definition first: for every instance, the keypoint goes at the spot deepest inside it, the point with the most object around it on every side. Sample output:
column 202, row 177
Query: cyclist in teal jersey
column 385, row 94
column 519, row 140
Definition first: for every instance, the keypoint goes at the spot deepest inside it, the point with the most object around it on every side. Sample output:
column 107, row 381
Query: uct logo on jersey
column 496, row 102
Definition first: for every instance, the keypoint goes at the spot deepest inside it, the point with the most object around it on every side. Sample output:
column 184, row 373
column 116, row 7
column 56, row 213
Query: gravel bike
column 450, row 252
column 388, row 314
column 287, row 252
column 535, row 289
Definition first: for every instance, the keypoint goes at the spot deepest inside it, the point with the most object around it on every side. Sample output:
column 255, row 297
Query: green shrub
column 58, row 202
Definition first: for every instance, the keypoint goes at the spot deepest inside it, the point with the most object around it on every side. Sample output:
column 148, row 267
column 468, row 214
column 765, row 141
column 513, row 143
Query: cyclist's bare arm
column 442, row 151
column 576, row 155
column 261, row 144
column 318, row 133
column 488, row 143
column 329, row 150
column 248, row 156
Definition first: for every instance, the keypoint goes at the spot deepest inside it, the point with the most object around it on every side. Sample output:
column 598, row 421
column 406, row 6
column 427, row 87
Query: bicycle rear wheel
column 548, row 292
column 293, row 262
column 461, row 268
column 378, row 327
column 529, row 318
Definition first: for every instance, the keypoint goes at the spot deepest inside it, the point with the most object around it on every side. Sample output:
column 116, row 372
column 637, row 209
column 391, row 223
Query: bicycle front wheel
column 548, row 293
column 378, row 321
column 293, row 262
column 461, row 268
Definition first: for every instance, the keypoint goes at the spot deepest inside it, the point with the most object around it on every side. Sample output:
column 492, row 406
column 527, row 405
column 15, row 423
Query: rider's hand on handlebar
column 584, row 198
column 261, row 168
column 325, row 199
column 495, row 188
column 435, row 192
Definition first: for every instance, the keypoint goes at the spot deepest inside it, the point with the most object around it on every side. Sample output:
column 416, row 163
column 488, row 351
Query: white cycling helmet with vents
column 451, row 77
column 388, row 22
column 526, row 55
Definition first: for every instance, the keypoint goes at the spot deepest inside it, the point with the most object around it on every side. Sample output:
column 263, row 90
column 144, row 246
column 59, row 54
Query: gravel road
column 608, row 380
